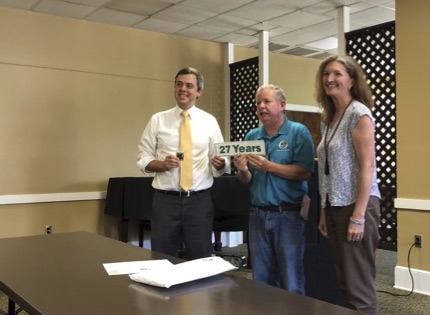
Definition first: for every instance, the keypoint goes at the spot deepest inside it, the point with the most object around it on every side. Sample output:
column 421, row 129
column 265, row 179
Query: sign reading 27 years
column 241, row 147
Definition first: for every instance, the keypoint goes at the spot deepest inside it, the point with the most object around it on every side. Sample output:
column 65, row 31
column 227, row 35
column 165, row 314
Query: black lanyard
column 326, row 143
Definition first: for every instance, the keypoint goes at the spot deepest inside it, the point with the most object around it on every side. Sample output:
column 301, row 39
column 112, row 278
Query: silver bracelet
column 356, row 222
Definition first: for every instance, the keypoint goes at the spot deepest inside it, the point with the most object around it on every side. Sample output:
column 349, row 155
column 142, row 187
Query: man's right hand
column 171, row 161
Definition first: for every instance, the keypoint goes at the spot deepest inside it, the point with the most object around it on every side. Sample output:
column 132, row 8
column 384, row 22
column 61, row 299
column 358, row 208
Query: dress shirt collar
column 190, row 110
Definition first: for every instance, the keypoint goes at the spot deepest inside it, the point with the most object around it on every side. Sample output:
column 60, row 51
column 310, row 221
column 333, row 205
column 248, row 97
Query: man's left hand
column 258, row 162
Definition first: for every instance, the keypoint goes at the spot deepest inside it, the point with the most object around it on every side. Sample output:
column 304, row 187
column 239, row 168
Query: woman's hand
column 355, row 231
column 322, row 226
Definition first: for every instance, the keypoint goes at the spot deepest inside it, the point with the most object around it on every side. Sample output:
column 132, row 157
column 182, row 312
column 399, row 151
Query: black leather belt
column 181, row 193
column 279, row 208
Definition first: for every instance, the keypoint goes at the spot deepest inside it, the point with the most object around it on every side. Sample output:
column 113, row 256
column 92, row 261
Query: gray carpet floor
column 415, row 304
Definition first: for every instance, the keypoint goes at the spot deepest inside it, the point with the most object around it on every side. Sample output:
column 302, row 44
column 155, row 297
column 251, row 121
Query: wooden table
column 62, row 274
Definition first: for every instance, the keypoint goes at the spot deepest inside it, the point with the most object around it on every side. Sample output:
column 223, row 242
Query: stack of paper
column 162, row 273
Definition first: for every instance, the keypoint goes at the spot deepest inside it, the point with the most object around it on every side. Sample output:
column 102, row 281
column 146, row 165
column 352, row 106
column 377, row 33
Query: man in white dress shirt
column 179, row 215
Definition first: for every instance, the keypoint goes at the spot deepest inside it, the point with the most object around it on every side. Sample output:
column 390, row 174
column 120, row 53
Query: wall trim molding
column 302, row 108
column 402, row 280
column 412, row 204
column 402, row 203
column 58, row 197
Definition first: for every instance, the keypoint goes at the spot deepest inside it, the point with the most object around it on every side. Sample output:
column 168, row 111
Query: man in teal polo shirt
column 278, row 184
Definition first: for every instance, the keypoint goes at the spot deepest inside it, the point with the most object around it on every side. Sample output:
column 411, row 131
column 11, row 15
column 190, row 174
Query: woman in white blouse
column 350, row 198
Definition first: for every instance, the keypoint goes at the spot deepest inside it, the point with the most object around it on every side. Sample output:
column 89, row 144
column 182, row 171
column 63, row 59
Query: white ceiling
column 298, row 27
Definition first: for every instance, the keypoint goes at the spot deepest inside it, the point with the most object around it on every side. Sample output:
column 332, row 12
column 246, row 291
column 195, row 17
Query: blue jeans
column 277, row 245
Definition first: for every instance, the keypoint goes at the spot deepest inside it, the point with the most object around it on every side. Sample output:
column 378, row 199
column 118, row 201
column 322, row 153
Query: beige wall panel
column 413, row 223
column 413, row 128
column 31, row 219
column 56, row 42
column 243, row 53
column 413, row 95
column 72, row 129
column 296, row 76
column 77, row 96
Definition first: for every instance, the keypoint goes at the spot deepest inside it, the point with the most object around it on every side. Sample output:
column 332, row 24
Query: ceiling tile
column 227, row 23
column 146, row 7
column 297, row 37
column 289, row 22
column 183, row 14
column 294, row 4
column 162, row 26
column 299, row 19
column 115, row 17
column 300, row 51
column 19, row 4
column 324, row 29
column 374, row 16
column 323, row 44
column 219, row 6
column 200, row 33
column 274, row 47
column 321, row 7
column 260, row 11
column 390, row 4
column 339, row 3
column 247, row 31
column 61, row 8
column 359, row 6
column 381, row 2
column 274, row 30
column 277, row 47
column 93, row 3
column 238, row 39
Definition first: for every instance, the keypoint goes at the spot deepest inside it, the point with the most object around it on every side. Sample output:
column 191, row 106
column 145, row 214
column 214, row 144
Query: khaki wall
column 75, row 97
column 413, row 128
column 295, row 75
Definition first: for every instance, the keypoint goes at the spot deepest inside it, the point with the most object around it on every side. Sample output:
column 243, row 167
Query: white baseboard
column 56, row 197
column 402, row 280
column 412, row 204
column 303, row 108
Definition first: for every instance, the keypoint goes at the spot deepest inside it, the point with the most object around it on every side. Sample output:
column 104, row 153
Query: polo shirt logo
column 283, row 145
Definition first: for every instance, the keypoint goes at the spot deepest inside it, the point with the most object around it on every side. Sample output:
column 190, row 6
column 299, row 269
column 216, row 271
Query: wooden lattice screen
column 374, row 49
column 244, row 84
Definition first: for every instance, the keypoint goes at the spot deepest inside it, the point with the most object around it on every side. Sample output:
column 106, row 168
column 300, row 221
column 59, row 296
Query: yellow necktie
column 186, row 171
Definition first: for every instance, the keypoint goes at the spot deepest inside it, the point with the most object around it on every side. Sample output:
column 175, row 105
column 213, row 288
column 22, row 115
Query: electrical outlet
column 417, row 241
column 48, row 229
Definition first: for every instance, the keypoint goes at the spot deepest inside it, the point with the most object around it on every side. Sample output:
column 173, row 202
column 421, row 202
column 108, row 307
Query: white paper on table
column 183, row 272
column 129, row 267
column 214, row 283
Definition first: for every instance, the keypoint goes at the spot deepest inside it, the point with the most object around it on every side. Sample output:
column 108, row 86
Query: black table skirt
column 131, row 198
